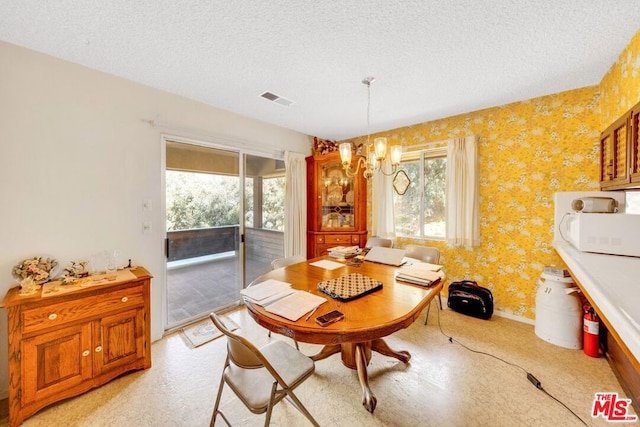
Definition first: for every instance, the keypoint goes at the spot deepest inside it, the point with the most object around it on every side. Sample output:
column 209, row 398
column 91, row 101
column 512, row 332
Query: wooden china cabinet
column 336, row 205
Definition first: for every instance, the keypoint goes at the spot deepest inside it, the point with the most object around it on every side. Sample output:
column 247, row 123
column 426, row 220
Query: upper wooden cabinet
column 336, row 205
column 619, row 153
column 634, row 145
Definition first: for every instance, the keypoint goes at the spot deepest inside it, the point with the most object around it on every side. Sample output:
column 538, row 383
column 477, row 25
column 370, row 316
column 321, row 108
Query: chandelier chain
column 368, row 82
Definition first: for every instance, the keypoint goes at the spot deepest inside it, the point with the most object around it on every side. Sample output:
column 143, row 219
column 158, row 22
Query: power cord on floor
column 532, row 379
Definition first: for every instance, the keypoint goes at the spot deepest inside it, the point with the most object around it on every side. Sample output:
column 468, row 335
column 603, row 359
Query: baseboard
column 497, row 313
column 514, row 317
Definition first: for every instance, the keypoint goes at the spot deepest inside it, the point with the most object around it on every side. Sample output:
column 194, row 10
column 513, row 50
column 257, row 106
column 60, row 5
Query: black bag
column 468, row 298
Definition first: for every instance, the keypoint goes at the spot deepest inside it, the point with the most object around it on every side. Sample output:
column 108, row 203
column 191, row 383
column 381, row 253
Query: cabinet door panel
column 55, row 361
column 614, row 155
column 120, row 340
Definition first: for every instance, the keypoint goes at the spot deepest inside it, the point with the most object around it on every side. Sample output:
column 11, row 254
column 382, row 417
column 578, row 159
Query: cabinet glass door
column 338, row 198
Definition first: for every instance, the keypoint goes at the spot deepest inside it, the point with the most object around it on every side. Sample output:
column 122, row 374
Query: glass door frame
column 242, row 155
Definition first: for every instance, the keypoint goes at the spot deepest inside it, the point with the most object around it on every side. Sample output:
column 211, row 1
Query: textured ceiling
column 431, row 59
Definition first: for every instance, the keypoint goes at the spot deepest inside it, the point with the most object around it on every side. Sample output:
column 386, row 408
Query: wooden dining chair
column 428, row 254
column 261, row 377
column 378, row 241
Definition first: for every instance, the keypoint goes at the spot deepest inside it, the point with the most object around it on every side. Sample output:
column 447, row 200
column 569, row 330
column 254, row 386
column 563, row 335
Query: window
column 420, row 212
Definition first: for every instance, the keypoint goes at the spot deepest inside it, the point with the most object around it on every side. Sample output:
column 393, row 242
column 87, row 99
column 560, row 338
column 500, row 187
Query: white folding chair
column 378, row 241
column 428, row 254
column 262, row 377
column 283, row 262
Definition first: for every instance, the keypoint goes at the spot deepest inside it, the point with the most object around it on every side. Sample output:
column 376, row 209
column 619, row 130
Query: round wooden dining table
column 367, row 320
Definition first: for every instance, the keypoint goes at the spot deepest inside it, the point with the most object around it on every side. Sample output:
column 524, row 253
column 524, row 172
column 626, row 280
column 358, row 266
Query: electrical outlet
column 146, row 227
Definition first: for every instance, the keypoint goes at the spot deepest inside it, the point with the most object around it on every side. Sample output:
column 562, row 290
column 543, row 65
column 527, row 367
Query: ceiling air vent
column 276, row 98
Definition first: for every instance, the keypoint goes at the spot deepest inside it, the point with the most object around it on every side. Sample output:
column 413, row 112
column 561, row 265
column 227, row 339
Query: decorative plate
column 335, row 196
column 350, row 197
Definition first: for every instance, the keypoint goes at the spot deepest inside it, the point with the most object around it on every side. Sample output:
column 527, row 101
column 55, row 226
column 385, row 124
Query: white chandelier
column 374, row 154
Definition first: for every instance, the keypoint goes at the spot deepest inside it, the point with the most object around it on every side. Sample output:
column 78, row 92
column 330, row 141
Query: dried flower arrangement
column 323, row 146
column 38, row 269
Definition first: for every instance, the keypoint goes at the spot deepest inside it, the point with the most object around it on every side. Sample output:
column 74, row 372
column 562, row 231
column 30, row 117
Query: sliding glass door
column 224, row 226
column 264, row 214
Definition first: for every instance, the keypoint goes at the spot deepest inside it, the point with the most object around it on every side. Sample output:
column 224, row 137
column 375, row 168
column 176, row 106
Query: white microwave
column 606, row 233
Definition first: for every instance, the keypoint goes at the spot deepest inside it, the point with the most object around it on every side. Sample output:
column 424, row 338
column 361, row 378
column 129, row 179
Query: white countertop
column 613, row 282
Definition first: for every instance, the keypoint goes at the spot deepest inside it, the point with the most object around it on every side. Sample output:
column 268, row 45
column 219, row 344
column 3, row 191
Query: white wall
column 77, row 159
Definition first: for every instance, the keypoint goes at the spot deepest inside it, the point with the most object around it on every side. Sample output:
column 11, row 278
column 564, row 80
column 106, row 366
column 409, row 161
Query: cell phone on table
column 329, row 318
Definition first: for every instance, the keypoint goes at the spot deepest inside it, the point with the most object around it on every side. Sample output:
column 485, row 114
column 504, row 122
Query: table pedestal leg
column 326, row 351
column 380, row 346
column 357, row 356
column 369, row 401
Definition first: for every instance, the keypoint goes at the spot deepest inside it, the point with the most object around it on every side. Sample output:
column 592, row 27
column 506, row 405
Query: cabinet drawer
column 37, row 319
column 338, row 238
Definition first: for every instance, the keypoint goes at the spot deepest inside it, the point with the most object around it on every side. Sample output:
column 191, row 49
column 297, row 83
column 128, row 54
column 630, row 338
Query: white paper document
column 295, row 305
column 423, row 270
column 327, row 265
column 265, row 289
column 273, row 298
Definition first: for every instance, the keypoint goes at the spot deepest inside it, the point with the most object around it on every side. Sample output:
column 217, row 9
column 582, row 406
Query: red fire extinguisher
column 591, row 331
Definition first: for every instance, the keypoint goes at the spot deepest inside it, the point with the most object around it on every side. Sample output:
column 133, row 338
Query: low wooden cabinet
column 64, row 345
column 625, row 367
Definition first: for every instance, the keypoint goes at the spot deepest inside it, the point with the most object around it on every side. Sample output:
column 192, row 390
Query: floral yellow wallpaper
column 620, row 87
column 528, row 151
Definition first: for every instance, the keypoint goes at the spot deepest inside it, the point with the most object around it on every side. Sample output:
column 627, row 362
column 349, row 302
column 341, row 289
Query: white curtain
column 295, row 205
column 463, row 206
column 382, row 219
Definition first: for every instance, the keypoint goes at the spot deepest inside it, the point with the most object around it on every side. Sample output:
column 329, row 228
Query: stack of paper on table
column 344, row 251
column 267, row 292
column 281, row 299
column 295, row 305
column 421, row 273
